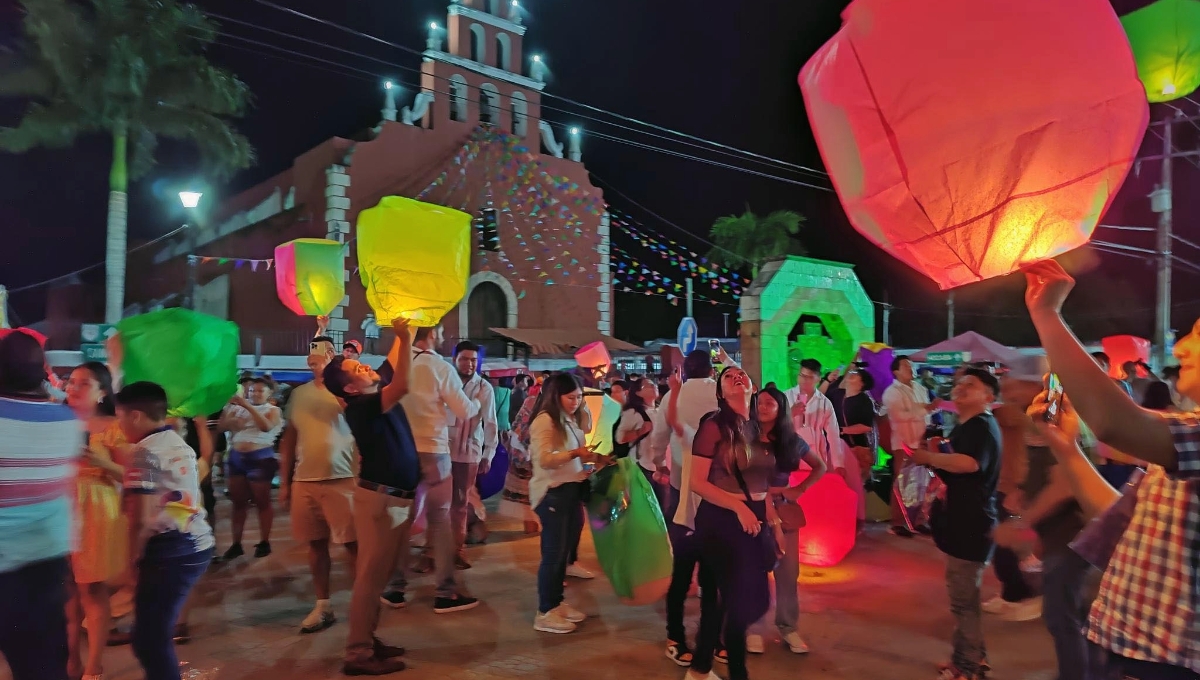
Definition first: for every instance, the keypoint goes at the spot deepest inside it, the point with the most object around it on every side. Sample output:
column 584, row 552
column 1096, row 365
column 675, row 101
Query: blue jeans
column 561, row 513
column 963, row 580
column 1067, row 592
column 33, row 621
column 1108, row 666
column 163, row 585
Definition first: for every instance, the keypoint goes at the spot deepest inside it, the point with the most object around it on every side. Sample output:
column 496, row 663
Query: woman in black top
column 858, row 410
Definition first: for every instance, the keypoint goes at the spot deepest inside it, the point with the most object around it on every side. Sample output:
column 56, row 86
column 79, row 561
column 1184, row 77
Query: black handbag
column 767, row 544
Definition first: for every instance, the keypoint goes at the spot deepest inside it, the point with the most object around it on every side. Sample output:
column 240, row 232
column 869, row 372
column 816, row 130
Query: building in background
column 472, row 139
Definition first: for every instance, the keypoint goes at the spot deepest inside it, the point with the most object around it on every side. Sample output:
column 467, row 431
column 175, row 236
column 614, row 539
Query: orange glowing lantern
column 1122, row 349
column 831, row 514
column 1001, row 147
column 594, row 355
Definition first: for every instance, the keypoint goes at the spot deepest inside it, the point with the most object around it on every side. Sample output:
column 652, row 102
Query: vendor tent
column 973, row 348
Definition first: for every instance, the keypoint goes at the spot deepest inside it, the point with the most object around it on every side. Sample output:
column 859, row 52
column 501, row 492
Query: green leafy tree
column 134, row 70
column 748, row 240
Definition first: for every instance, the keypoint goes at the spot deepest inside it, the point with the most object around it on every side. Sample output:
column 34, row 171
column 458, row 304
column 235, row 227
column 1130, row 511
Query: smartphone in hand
column 1054, row 397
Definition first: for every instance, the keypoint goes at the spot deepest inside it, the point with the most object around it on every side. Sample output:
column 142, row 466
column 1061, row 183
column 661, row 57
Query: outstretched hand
column 400, row 327
column 1047, row 287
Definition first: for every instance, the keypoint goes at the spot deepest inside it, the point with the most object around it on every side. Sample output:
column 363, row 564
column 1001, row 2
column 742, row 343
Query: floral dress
column 102, row 552
column 514, row 501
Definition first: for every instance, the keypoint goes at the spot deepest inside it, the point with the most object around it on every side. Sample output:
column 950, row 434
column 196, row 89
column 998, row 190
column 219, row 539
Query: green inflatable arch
column 787, row 289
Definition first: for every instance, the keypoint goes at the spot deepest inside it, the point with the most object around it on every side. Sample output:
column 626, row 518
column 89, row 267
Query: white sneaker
column 570, row 613
column 755, row 645
column 1025, row 610
column 576, row 571
column 552, row 622
column 795, row 643
column 318, row 619
column 996, row 605
column 1031, row 565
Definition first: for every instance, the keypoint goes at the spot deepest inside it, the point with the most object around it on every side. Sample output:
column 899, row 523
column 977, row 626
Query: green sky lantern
column 1165, row 37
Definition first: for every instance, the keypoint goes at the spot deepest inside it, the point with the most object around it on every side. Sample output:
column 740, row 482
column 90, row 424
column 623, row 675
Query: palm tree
column 748, row 240
column 134, row 70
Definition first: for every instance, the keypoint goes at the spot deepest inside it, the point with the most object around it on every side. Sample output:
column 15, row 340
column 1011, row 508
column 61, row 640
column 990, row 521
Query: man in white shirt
column 815, row 420
column 472, row 442
column 435, row 392
column 907, row 406
column 317, row 477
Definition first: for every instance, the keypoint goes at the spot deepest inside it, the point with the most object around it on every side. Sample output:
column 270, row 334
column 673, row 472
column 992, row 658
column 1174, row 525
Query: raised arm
column 400, row 358
column 1114, row 418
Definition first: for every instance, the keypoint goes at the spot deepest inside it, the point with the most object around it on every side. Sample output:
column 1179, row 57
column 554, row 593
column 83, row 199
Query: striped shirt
column 1150, row 594
column 40, row 443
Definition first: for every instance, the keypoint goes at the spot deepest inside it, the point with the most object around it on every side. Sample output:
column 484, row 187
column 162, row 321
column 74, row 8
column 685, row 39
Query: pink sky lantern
column 1123, row 348
column 969, row 139
column 5, row 332
column 831, row 516
column 310, row 275
column 593, row 355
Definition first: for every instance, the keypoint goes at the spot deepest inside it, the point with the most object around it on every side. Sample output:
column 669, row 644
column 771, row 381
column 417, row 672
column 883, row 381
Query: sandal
column 721, row 656
column 679, row 653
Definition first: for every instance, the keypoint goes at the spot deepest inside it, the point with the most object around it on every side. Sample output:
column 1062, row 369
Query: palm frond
column 222, row 148
column 55, row 126
column 63, row 39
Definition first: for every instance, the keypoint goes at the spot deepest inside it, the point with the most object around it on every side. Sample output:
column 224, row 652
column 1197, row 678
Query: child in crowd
column 171, row 544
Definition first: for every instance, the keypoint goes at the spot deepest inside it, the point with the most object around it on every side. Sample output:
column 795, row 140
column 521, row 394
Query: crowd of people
column 101, row 494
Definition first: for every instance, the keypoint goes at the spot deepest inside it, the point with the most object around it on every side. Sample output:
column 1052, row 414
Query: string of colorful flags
column 678, row 254
column 238, row 262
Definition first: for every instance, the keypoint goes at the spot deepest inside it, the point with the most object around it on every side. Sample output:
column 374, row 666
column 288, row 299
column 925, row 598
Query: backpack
column 622, row 450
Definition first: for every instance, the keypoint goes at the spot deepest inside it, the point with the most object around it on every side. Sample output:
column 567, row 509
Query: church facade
column 471, row 139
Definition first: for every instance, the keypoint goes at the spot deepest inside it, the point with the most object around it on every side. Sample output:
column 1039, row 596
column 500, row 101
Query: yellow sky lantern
column 414, row 259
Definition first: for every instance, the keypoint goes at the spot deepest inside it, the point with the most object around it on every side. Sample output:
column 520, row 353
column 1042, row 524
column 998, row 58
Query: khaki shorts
column 323, row 510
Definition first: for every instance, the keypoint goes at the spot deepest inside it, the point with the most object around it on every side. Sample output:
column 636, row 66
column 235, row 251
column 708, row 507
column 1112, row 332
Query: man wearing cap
column 387, row 483
column 317, row 477
column 352, row 349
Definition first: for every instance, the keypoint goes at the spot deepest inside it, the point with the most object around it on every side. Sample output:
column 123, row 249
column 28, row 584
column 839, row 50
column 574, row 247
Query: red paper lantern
column 971, row 138
column 1124, row 348
column 831, row 516
column 4, row 332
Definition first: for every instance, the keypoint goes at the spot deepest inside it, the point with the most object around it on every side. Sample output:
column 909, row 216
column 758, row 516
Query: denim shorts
column 255, row 466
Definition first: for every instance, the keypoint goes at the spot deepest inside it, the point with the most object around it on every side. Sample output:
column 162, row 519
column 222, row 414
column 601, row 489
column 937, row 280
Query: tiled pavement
column 880, row 615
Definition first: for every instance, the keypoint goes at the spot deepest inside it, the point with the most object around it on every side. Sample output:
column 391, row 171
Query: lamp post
column 389, row 101
column 190, row 201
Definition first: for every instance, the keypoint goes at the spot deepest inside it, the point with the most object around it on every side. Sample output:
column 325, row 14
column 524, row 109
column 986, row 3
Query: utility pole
column 887, row 320
column 950, row 316
column 1160, row 202
column 689, row 296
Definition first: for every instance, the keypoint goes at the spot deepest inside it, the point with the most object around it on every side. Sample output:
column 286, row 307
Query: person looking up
column 250, row 466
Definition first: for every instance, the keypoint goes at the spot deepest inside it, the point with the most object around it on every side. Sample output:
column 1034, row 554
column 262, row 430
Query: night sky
column 720, row 70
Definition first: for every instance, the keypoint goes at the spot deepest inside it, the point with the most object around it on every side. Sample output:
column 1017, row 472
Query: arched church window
column 520, row 114
column 503, row 51
column 478, row 44
column 489, row 104
column 458, row 98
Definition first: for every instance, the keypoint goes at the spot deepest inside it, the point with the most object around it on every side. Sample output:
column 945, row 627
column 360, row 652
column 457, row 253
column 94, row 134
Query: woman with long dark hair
column 733, row 479
column 101, row 532
column 635, row 426
column 771, row 430
column 559, row 452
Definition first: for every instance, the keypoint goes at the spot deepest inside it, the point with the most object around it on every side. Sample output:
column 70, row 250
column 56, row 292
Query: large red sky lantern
column 831, row 515
column 971, row 138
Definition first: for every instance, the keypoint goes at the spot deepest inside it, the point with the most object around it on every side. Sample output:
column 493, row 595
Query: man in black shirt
column 964, row 515
column 388, row 476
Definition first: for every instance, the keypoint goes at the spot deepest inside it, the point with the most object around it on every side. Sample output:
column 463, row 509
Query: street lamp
column 190, row 199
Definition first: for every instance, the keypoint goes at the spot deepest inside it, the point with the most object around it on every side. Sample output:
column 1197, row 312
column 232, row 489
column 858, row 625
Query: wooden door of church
column 487, row 308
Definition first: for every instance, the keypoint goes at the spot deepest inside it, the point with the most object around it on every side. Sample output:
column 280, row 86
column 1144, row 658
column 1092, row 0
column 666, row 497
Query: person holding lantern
column 317, row 456
column 389, row 473
column 1143, row 623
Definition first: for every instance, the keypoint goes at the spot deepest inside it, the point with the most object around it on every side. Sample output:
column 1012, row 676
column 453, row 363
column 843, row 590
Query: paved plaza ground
column 880, row 615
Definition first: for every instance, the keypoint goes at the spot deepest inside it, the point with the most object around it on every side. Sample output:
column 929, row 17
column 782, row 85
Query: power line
column 564, row 126
column 94, row 266
column 568, row 100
